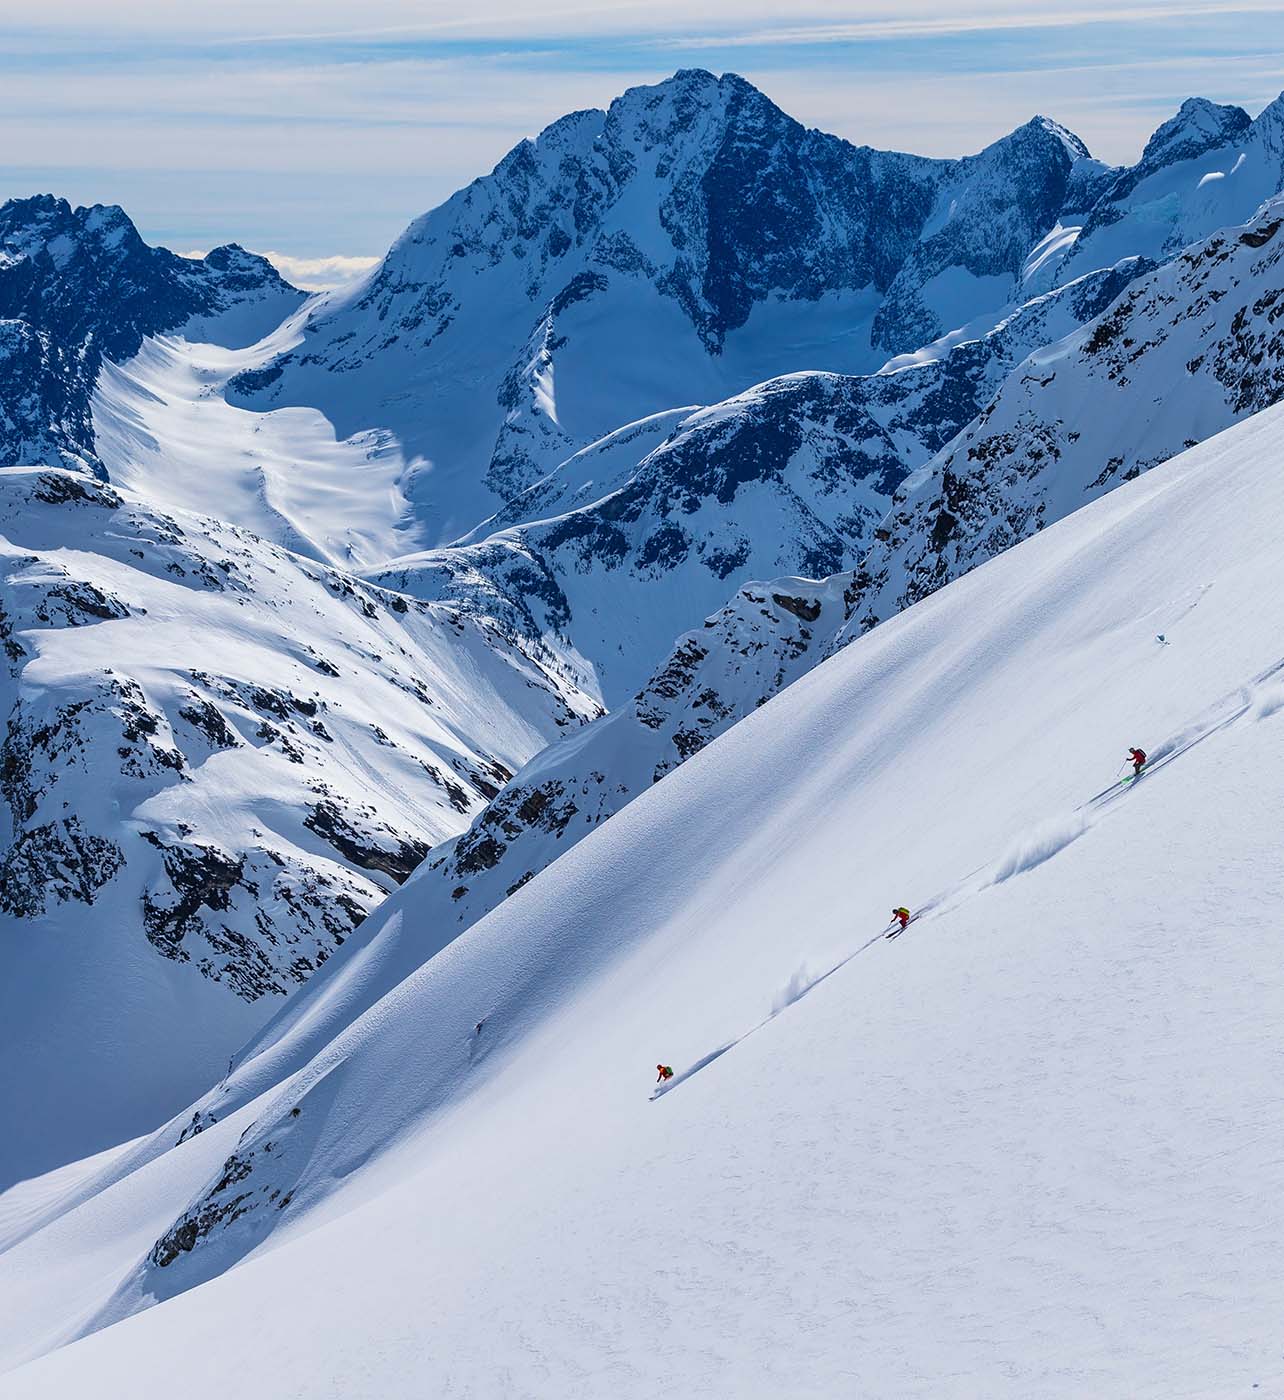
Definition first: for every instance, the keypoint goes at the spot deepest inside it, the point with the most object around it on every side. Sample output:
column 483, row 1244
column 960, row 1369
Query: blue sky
column 318, row 128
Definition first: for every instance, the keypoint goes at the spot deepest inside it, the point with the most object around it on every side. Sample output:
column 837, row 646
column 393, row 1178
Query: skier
column 1138, row 757
column 904, row 916
column 666, row 1072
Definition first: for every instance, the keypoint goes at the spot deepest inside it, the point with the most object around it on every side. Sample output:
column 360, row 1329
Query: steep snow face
column 976, row 240
column 791, row 477
column 1047, row 1053
column 683, row 245
column 1182, row 353
column 1207, row 167
column 766, row 637
column 163, row 429
column 218, row 759
column 78, row 286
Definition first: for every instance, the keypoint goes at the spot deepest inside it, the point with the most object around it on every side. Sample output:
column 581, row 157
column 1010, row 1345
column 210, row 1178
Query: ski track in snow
column 1257, row 697
column 994, row 1164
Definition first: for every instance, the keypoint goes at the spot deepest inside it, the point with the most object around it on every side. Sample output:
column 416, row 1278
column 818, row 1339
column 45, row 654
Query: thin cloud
column 345, row 20
column 319, row 274
column 931, row 26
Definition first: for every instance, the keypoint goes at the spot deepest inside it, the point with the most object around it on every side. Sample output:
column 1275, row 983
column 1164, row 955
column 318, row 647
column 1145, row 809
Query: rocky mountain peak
column 238, row 267
column 1198, row 126
column 80, row 285
column 45, row 224
column 1268, row 127
column 1074, row 148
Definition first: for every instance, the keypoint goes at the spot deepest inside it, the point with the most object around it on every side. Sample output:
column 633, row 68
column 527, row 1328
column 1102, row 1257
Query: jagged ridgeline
column 292, row 588
column 79, row 286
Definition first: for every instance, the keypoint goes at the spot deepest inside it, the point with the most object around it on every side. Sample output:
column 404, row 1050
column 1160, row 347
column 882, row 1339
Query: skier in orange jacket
column 666, row 1072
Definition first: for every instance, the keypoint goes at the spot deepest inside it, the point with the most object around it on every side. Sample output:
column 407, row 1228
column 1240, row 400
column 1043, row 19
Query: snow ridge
column 78, row 286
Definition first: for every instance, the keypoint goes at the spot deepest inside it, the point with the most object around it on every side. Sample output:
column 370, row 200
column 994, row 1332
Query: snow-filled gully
column 1047, row 840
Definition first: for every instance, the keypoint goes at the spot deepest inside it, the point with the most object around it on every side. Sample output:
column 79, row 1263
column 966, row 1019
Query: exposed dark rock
column 201, row 878
column 210, row 1213
column 58, row 861
column 808, row 609
column 398, row 859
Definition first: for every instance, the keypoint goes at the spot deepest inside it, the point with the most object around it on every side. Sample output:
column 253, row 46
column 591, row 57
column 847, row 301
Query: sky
column 315, row 130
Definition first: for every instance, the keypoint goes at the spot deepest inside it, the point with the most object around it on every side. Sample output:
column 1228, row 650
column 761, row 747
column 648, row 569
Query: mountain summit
column 682, row 245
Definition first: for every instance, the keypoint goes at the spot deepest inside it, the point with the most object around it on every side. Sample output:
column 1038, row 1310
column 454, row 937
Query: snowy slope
column 766, row 637
column 612, row 555
column 989, row 1158
column 683, row 245
column 218, row 759
column 164, row 430
column 79, row 286
column 1182, row 353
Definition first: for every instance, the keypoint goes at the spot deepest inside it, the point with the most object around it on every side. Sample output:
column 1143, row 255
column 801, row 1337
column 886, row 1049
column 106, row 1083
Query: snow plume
column 1270, row 700
column 1041, row 843
column 1192, row 733
column 798, row 986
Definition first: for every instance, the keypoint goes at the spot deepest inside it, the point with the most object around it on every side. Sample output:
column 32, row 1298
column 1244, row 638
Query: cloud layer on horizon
column 309, row 274
column 347, row 120
column 320, row 274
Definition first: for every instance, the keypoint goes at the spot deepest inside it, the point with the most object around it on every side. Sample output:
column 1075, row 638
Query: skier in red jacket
column 665, row 1073
column 1138, row 757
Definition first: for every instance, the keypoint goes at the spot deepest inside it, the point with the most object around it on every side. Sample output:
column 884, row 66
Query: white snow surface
column 165, row 429
column 218, row 758
column 1029, row 1148
column 1169, row 203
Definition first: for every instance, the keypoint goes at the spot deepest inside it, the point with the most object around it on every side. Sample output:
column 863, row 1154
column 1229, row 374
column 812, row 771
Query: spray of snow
column 798, row 985
column 1041, row 843
column 1270, row 700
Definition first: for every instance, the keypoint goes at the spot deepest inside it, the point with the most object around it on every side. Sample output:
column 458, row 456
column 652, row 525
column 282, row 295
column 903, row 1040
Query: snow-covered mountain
column 621, row 548
column 219, row 758
column 1182, row 353
column 774, row 632
column 569, row 584
column 683, row 245
column 855, row 1175
column 79, row 286
column 764, row 638
column 1206, row 167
